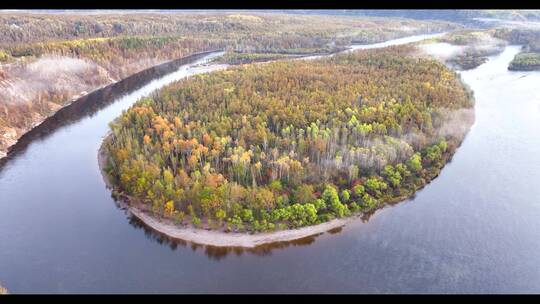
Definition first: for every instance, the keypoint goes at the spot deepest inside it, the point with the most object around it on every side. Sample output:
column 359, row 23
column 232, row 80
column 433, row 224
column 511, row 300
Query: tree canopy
column 289, row 143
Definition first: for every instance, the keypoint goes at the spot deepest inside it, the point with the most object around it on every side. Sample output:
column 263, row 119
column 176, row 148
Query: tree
column 247, row 215
column 169, row 208
column 433, row 153
column 265, row 198
column 403, row 171
column 311, row 213
column 358, row 190
column 330, row 196
column 195, row 220
column 303, row 194
column 353, row 172
column 220, row 216
column 275, row 186
column 345, row 195
column 235, row 222
column 179, row 217
column 392, row 175
column 302, row 215
column 375, row 185
column 369, row 201
column 320, row 205
column 415, row 163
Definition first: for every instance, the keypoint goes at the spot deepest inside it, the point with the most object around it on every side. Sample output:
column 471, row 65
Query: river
column 474, row 228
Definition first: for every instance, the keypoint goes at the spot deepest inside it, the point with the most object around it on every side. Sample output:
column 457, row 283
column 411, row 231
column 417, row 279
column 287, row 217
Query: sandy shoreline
column 233, row 239
column 237, row 239
column 214, row 237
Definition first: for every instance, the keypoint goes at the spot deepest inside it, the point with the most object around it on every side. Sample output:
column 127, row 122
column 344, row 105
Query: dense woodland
column 268, row 28
column 47, row 59
column 476, row 45
column 289, row 143
column 525, row 62
column 529, row 58
column 465, row 16
column 528, row 37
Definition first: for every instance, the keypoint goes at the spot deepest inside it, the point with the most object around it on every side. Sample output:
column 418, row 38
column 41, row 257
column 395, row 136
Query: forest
column 525, row 62
column 46, row 60
column 476, row 46
column 471, row 48
column 234, row 58
column 289, row 143
column 463, row 16
column 529, row 58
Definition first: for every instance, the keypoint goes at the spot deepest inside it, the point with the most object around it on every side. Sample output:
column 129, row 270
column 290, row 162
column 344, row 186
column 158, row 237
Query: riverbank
column 525, row 61
column 11, row 136
column 220, row 238
column 211, row 237
column 239, row 58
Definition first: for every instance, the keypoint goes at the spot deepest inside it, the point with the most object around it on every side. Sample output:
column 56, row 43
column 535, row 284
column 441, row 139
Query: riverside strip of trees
column 291, row 143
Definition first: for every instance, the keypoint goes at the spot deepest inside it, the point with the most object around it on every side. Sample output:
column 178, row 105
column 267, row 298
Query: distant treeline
column 454, row 15
column 47, row 59
column 529, row 58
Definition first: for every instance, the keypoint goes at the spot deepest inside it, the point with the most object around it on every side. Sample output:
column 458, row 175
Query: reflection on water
column 335, row 230
column 217, row 253
column 473, row 229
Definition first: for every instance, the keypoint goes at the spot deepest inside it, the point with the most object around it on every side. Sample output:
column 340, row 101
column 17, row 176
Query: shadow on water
column 218, row 253
column 90, row 104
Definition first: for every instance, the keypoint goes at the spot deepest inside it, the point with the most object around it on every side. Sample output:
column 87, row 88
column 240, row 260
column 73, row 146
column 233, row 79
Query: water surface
column 475, row 228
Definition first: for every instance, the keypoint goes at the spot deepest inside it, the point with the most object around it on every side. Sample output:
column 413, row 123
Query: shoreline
column 215, row 237
column 36, row 124
column 84, row 94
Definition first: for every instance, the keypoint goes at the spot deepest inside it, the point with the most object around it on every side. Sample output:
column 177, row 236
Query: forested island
column 525, row 62
column 529, row 58
column 466, row 49
column 260, row 148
